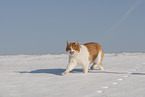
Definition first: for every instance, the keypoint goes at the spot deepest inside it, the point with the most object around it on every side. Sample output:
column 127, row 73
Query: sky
column 44, row 26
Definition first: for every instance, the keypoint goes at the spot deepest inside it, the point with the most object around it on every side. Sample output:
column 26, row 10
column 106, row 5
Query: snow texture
column 41, row 76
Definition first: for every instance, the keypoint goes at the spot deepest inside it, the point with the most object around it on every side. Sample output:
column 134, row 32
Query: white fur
column 73, row 50
column 81, row 58
column 98, row 60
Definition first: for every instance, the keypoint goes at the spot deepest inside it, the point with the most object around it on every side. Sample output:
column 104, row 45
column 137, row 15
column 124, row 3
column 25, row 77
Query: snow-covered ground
column 40, row 76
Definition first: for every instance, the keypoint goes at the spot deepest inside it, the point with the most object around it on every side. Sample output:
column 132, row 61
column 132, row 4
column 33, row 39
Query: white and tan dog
column 84, row 55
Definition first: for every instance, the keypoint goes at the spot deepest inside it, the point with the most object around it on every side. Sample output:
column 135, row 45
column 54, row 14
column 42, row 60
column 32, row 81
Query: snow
column 41, row 76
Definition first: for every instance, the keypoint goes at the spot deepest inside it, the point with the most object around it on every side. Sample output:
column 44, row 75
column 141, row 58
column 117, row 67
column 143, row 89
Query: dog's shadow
column 50, row 71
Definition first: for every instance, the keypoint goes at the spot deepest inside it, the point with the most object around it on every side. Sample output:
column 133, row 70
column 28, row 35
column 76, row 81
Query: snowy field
column 40, row 76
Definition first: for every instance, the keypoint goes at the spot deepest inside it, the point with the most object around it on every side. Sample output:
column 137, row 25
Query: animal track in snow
column 99, row 91
column 120, row 79
column 125, row 76
column 105, row 87
column 115, row 83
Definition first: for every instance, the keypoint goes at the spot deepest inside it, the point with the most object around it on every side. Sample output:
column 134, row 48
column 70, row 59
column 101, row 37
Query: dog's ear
column 77, row 42
column 68, row 42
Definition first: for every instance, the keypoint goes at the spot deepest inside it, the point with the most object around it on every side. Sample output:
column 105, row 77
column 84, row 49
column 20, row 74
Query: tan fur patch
column 94, row 49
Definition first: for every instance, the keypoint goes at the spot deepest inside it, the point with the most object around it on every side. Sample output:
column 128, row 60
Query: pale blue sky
column 44, row 26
